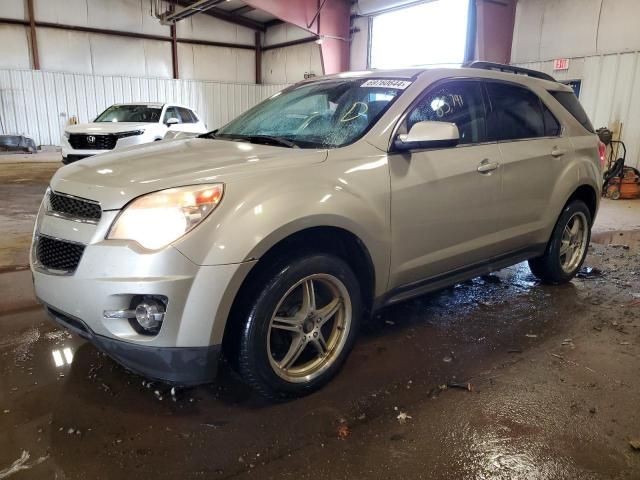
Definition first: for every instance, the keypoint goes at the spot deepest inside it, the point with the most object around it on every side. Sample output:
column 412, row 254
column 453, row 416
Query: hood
column 118, row 177
column 98, row 128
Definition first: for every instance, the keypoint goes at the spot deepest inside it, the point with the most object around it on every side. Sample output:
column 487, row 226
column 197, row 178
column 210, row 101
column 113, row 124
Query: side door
column 189, row 122
column 533, row 152
column 444, row 202
column 171, row 113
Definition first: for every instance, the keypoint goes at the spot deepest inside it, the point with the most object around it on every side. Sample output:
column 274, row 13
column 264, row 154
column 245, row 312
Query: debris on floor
column 403, row 417
column 20, row 464
column 589, row 272
column 635, row 443
column 463, row 386
column 343, row 431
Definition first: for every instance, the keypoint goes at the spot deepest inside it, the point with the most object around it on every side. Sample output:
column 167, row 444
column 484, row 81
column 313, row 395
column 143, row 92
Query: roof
column 463, row 71
column 149, row 104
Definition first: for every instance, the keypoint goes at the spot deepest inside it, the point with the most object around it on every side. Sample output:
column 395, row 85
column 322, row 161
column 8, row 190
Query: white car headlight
column 157, row 219
column 66, row 135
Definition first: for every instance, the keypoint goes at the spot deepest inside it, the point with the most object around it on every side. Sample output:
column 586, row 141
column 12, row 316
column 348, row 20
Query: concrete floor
column 554, row 374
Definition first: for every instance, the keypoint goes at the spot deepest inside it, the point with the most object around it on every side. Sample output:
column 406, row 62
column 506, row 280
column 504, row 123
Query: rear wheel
column 301, row 326
column 567, row 247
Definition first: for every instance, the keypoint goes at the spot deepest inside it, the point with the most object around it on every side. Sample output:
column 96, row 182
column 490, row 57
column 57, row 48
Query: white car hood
column 98, row 128
column 118, row 177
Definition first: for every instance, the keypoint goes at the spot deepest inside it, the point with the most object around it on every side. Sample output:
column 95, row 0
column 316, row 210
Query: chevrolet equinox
column 274, row 237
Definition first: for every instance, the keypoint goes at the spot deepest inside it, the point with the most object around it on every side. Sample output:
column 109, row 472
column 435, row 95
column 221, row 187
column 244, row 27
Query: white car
column 126, row 124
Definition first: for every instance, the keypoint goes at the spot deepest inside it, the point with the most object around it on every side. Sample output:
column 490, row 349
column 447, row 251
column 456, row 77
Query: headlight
column 158, row 219
column 66, row 135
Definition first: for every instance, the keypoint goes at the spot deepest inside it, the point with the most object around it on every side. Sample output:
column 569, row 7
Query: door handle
column 557, row 152
column 487, row 167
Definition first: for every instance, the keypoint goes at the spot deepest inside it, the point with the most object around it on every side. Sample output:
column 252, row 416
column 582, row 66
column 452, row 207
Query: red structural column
column 495, row 23
column 329, row 19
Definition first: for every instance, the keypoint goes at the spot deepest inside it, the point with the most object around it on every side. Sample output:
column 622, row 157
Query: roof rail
column 500, row 67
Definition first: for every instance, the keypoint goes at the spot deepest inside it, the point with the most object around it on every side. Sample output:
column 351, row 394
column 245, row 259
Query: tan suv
column 277, row 235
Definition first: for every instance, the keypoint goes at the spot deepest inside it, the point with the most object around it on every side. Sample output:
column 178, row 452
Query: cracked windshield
column 325, row 114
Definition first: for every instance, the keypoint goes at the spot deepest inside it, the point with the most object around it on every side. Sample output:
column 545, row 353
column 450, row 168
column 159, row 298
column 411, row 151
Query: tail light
column 602, row 149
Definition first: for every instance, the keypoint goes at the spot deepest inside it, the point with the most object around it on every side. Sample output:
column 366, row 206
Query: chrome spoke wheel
column 309, row 328
column 573, row 243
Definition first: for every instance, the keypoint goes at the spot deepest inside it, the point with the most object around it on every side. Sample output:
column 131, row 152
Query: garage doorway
column 432, row 33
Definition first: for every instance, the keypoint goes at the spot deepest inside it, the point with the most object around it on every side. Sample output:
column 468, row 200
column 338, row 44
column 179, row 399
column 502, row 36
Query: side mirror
column 428, row 135
column 171, row 121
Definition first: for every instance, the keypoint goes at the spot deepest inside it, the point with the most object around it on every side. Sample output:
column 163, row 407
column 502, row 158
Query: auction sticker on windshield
column 387, row 83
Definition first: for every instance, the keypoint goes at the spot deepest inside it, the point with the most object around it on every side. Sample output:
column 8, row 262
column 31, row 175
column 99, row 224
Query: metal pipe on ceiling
column 200, row 6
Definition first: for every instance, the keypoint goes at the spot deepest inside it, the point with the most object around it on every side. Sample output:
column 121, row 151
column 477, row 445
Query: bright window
column 433, row 33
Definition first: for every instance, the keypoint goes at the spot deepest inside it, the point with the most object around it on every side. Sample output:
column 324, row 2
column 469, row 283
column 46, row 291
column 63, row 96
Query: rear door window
column 458, row 102
column 186, row 115
column 571, row 103
column 516, row 113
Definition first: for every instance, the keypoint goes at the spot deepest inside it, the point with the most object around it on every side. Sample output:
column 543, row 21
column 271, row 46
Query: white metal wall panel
column 569, row 28
column 285, row 32
column 204, row 27
column 527, row 31
column 69, row 12
column 610, row 93
column 113, row 55
column 548, row 29
column 289, row 64
column 157, row 57
column 14, row 9
column 15, row 53
column 618, row 31
column 39, row 104
column 64, row 50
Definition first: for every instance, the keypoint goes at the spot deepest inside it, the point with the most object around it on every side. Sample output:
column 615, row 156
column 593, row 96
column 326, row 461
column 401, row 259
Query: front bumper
column 178, row 365
column 111, row 273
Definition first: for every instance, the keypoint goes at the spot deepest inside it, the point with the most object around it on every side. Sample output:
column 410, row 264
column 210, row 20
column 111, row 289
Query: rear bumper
column 175, row 365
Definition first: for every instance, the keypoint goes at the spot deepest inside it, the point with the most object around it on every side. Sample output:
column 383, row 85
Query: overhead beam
column 242, row 10
column 173, row 16
column 121, row 33
column 228, row 17
column 290, row 43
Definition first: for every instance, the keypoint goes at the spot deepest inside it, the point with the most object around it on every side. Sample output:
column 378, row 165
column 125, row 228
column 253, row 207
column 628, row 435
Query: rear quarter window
column 571, row 104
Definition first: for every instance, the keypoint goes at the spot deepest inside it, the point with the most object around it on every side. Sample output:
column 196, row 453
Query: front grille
column 92, row 142
column 74, row 207
column 58, row 255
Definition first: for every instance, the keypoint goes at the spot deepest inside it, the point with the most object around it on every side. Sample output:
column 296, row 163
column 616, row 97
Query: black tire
column 548, row 267
column 274, row 283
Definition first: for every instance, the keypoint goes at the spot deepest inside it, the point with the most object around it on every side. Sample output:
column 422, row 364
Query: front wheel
column 301, row 326
column 567, row 247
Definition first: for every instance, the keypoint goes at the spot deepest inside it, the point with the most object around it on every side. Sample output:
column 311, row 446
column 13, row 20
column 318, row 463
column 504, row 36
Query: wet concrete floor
column 554, row 375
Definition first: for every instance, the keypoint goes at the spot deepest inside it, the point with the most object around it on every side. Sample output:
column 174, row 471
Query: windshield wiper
column 211, row 134
column 269, row 140
column 263, row 139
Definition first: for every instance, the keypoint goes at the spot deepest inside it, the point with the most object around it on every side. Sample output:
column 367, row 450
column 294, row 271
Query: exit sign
column 561, row 64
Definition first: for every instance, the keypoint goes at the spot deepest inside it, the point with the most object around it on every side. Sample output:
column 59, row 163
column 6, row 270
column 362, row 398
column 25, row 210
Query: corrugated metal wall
column 39, row 104
column 610, row 93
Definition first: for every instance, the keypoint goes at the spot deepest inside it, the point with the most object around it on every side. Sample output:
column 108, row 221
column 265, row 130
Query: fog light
column 149, row 315
column 145, row 314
